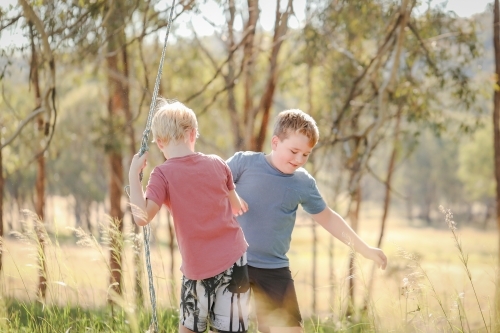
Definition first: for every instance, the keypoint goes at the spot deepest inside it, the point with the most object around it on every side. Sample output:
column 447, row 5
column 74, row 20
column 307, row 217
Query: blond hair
column 172, row 121
column 296, row 121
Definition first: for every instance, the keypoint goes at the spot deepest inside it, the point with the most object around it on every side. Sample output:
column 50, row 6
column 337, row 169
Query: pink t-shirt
column 195, row 189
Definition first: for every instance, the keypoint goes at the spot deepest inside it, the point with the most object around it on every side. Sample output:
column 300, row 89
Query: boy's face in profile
column 291, row 153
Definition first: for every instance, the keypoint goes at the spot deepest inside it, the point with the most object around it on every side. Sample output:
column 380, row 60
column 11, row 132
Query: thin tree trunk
column 409, row 208
column 126, row 97
column 138, row 263
column 78, row 214
column 354, row 219
column 171, row 240
column 487, row 216
column 249, row 66
column 313, row 225
column 314, row 264
column 116, row 221
column 388, row 182
column 496, row 143
column 280, row 30
column 387, row 202
column 40, row 176
column 116, row 105
column 138, row 266
column 1, row 206
column 230, row 77
column 87, row 212
column 331, row 274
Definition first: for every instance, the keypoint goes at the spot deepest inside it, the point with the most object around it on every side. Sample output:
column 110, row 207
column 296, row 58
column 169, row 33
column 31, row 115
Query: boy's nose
column 300, row 159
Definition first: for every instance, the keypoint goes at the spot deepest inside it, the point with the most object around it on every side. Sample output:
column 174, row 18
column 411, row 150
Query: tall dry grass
column 436, row 281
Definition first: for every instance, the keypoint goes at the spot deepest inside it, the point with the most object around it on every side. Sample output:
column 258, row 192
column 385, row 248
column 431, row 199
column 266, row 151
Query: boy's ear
column 274, row 142
column 193, row 135
column 159, row 143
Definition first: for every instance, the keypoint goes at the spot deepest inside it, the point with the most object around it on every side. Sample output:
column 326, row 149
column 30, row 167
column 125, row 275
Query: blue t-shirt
column 273, row 198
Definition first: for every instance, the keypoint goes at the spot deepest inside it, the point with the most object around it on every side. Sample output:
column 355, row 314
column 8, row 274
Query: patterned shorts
column 221, row 302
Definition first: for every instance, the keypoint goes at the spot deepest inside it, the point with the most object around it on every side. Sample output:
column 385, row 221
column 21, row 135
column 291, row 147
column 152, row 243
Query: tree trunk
column 40, row 176
column 230, row 78
column 387, row 202
column 77, row 211
column 171, row 245
column 354, row 219
column 331, row 273
column 280, row 30
column 248, row 69
column 125, row 90
column 314, row 264
column 87, row 212
column 496, row 140
column 116, row 110
column 116, row 222
column 1, row 206
column 388, row 181
column 409, row 207
column 313, row 226
column 138, row 266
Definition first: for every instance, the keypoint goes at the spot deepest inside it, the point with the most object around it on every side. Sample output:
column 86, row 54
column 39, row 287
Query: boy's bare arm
column 238, row 205
column 338, row 227
column 143, row 210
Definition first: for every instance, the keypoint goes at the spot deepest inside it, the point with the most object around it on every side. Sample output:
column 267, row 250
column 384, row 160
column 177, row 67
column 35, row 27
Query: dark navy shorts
column 275, row 298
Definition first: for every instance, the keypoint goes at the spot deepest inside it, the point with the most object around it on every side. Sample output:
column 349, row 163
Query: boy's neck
column 269, row 158
column 178, row 149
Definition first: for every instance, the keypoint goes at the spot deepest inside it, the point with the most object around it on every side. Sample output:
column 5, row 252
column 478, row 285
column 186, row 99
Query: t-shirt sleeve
column 157, row 188
column 229, row 175
column 235, row 163
column 313, row 202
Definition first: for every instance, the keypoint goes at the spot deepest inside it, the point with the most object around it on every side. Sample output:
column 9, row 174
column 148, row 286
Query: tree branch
column 219, row 70
column 352, row 93
column 426, row 51
column 21, row 126
column 12, row 21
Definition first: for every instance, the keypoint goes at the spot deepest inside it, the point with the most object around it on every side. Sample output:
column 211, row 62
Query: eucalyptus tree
column 496, row 141
column 244, row 63
column 42, row 78
column 387, row 71
column 73, row 32
column 45, row 30
column 116, row 42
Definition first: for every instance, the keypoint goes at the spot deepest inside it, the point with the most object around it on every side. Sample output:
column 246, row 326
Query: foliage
column 430, row 174
column 476, row 165
column 433, row 87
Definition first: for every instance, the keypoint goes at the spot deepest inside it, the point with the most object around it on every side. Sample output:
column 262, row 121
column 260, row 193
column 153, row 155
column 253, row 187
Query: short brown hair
column 296, row 121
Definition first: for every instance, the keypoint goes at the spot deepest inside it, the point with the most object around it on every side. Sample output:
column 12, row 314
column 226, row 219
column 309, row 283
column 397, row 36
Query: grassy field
column 426, row 287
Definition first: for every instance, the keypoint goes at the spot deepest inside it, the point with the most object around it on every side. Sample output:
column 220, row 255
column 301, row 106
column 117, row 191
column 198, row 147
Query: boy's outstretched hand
column 378, row 256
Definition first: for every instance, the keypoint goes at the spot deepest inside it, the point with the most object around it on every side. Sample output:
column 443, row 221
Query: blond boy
column 199, row 192
column 273, row 186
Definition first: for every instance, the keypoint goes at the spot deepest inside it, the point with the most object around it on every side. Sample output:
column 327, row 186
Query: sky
column 462, row 8
column 465, row 8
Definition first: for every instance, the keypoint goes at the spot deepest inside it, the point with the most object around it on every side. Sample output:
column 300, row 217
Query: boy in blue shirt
column 273, row 186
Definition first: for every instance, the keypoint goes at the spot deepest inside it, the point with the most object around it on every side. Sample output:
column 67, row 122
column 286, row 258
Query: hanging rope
column 153, row 327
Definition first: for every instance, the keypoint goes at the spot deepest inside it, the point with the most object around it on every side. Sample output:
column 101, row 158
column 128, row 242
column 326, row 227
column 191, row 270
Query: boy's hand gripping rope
column 153, row 327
